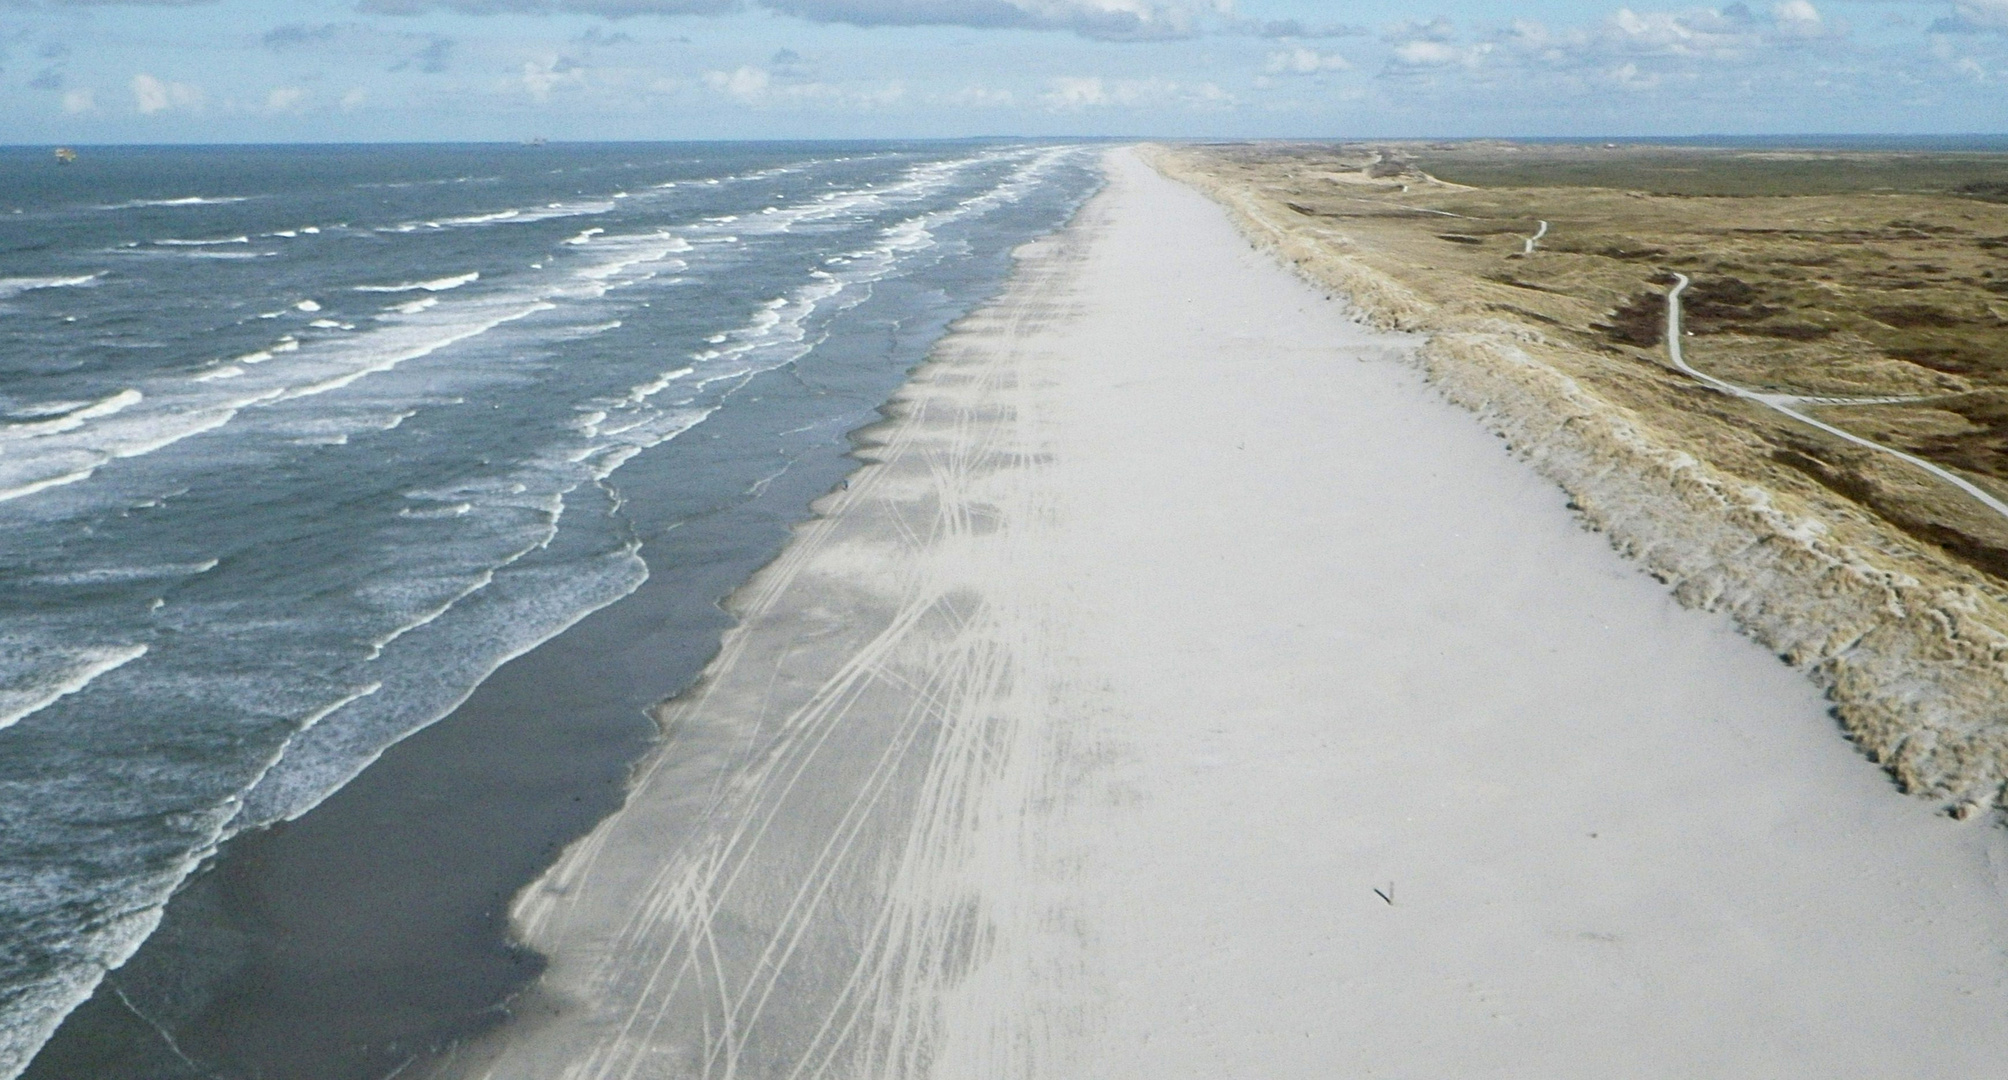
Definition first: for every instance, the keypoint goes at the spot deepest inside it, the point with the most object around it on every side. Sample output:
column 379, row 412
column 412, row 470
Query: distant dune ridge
column 1910, row 645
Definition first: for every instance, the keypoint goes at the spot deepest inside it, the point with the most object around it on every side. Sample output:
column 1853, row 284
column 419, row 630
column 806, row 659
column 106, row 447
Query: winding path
column 1783, row 403
column 1535, row 239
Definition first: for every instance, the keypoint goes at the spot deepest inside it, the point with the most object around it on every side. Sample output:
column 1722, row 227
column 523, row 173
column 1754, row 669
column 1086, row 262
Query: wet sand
column 371, row 934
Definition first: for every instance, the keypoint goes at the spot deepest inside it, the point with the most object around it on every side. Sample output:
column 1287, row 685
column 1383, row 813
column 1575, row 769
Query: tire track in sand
column 828, row 842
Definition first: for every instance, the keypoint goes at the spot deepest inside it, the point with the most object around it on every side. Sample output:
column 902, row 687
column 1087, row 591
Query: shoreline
column 288, row 928
column 370, row 932
column 1148, row 705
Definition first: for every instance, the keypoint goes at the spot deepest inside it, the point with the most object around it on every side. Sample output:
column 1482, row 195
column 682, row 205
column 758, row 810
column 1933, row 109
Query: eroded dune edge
column 1911, row 647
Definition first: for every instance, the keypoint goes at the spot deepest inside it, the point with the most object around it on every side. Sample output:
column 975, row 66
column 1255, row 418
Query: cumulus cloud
column 762, row 88
column 1437, row 29
column 1631, row 49
column 1420, row 46
column 151, row 95
column 1114, row 20
column 428, row 53
column 1303, row 61
column 1974, row 17
column 1293, row 28
column 79, row 101
column 1076, row 93
column 431, row 57
column 747, row 83
column 982, row 97
column 1799, row 18
column 540, row 77
column 790, row 64
column 612, row 9
column 284, row 98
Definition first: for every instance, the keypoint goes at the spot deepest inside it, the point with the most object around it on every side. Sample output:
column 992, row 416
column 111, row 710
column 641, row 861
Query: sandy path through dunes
column 1175, row 618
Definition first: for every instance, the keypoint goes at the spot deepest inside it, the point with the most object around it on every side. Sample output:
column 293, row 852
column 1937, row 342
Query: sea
column 298, row 445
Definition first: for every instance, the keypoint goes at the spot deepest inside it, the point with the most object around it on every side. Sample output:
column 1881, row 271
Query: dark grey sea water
column 298, row 445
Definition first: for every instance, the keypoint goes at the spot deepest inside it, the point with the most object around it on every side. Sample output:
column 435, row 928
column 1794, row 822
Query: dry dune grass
column 1812, row 278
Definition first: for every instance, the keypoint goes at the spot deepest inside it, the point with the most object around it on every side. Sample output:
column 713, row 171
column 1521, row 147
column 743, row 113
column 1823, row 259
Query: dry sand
column 1176, row 617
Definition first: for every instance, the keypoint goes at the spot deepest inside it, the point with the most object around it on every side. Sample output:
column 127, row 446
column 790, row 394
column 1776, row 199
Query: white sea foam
column 119, row 575
column 453, row 510
column 56, row 417
column 203, row 243
column 189, row 200
column 48, row 677
column 435, row 285
column 306, row 305
column 68, row 449
column 15, row 286
column 514, row 216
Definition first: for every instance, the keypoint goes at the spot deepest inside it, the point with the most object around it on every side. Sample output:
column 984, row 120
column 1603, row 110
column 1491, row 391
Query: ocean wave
column 70, row 448
column 50, row 418
column 514, row 216
column 187, row 200
column 38, row 683
column 119, row 575
column 203, row 243
column 435, row 285
column 15, row 286
column 66, row 453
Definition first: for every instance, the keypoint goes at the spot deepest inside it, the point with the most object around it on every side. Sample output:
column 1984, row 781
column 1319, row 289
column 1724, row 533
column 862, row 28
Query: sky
column 169, row 71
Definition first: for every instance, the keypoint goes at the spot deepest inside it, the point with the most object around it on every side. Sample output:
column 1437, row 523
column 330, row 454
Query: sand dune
column 1185, row 691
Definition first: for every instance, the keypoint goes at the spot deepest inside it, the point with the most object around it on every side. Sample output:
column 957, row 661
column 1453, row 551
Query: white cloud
column 1437, row 29
column 283, row 98
column 763, row 88
column 1075, row 93
column 79, row 101
column 1795, row 11
column 540, row 77
column 1974, row 16
column 1070, row 93
column 1633, row 49
column 151, row 95
column 1438, row 54
column 1303, row 61
column 355, row 98
column 1119, row 20
column 1628, row 76
column 746, row 84
column 982, row 97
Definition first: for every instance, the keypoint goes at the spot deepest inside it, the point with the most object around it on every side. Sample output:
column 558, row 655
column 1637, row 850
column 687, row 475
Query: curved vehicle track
column 1783, row 403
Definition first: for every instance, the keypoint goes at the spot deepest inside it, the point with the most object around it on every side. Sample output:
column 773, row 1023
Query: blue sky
column 91, row 71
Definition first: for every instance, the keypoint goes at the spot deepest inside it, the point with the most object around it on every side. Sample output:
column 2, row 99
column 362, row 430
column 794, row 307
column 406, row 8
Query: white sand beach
column 1185, row 690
